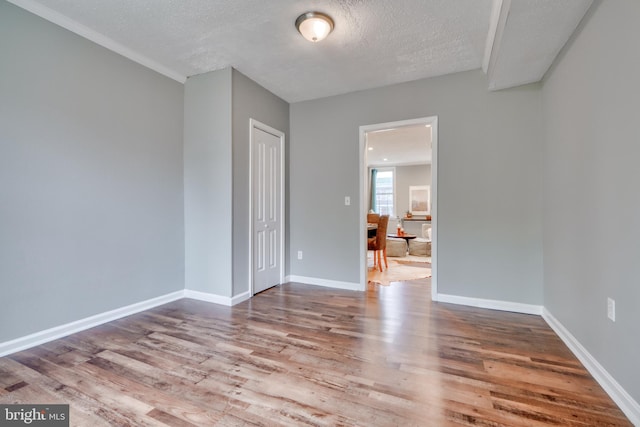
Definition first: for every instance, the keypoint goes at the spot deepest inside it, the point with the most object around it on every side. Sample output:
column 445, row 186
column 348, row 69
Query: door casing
column 433, row 122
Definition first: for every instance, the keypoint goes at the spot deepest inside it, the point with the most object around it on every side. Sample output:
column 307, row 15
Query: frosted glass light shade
column 314, row 26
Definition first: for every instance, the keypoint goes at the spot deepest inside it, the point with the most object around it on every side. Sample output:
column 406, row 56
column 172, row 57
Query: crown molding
column 100, row 39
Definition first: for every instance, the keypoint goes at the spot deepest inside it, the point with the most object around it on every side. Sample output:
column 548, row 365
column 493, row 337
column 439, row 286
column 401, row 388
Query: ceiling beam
column 499, row 16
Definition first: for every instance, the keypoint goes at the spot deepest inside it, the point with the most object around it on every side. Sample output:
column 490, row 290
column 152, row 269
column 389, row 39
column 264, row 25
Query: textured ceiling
column 375, row 42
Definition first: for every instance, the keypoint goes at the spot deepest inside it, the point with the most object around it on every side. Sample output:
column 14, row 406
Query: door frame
column 253, row 125
column 364, row 179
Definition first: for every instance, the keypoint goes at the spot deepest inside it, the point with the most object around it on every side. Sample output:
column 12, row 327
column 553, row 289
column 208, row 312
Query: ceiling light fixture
column 314, row 26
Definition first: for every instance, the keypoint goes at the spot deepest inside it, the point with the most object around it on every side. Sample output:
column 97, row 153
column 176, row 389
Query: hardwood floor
column 304, row 355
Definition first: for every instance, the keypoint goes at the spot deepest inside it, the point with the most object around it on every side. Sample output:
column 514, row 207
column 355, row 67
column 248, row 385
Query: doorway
column 266, row 207
column 432, row 123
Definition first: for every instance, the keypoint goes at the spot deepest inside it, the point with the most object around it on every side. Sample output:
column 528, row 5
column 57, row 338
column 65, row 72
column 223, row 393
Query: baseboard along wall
column 349, row 286
column 619, row 395
column 217, row 299
column 41, row 337
column 56, row 332
column 515, row 307
column 627, row 404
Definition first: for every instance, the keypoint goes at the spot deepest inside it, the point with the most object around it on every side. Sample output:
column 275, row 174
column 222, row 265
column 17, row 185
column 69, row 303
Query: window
column 384, row 194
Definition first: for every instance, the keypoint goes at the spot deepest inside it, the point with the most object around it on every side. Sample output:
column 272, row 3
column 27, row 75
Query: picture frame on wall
column 420, row 200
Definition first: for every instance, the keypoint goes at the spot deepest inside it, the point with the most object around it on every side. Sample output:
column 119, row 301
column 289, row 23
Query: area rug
column 399, row 271
column 412, row 259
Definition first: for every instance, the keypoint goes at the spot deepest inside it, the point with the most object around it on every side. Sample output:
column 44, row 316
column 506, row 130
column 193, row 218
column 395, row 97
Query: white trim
column 627, row 404
column 430, row 121
column 434, row 207
column 208, row 297
column 38, row 338
column 255, row 124
column 515, row 307
column 240, row 298
column 350, row 286
column 61, row 331
column 398, row 164
column 100, row 39
column 217, row 299
column 499, row 17
column 492, row 44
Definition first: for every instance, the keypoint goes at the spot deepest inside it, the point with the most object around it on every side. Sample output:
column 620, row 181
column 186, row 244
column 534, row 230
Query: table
column 372, row 228
column 405, row 236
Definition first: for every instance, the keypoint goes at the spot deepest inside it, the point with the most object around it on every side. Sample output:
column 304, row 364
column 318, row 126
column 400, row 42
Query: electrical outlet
column 299, row 254
column 611, row 309
column 347, row 201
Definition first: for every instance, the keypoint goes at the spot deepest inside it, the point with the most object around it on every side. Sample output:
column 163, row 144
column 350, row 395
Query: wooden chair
column 378, row 244
column 373, row 218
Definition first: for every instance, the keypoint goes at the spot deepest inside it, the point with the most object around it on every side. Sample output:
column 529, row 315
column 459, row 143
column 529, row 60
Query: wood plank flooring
column 303, row 355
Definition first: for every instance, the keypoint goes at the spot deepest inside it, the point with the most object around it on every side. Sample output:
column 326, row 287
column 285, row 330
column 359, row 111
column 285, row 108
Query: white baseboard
column 240, row 298
column 54, row 333
column 324, row 282
column 515, row 307
column 217, row 299
column 619, row 395
column 32, row 340
column 207, row 297
column 627, row 404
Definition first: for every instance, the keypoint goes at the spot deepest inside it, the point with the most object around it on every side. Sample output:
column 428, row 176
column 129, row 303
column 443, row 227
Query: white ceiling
column 403, row 146
column 375, row 42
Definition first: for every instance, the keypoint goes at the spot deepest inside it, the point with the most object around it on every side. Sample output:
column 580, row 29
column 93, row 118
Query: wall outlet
column 611, row 309
column 299, row 254
column 347, row 201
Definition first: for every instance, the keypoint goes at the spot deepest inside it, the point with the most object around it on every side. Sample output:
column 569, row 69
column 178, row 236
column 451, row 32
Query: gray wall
column 406, row 176
column 250, row 100
column 591, row 208
column 207, row 182
column 489, row 194
column 91, row 192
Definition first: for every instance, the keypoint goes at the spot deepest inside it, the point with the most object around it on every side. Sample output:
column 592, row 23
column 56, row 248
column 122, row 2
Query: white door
column 267, row 209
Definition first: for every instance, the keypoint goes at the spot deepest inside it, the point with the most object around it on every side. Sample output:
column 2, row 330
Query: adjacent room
column 192, row 198
column 399, row 186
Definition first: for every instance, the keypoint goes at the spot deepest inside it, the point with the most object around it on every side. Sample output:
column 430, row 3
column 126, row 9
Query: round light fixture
column 314, row 26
